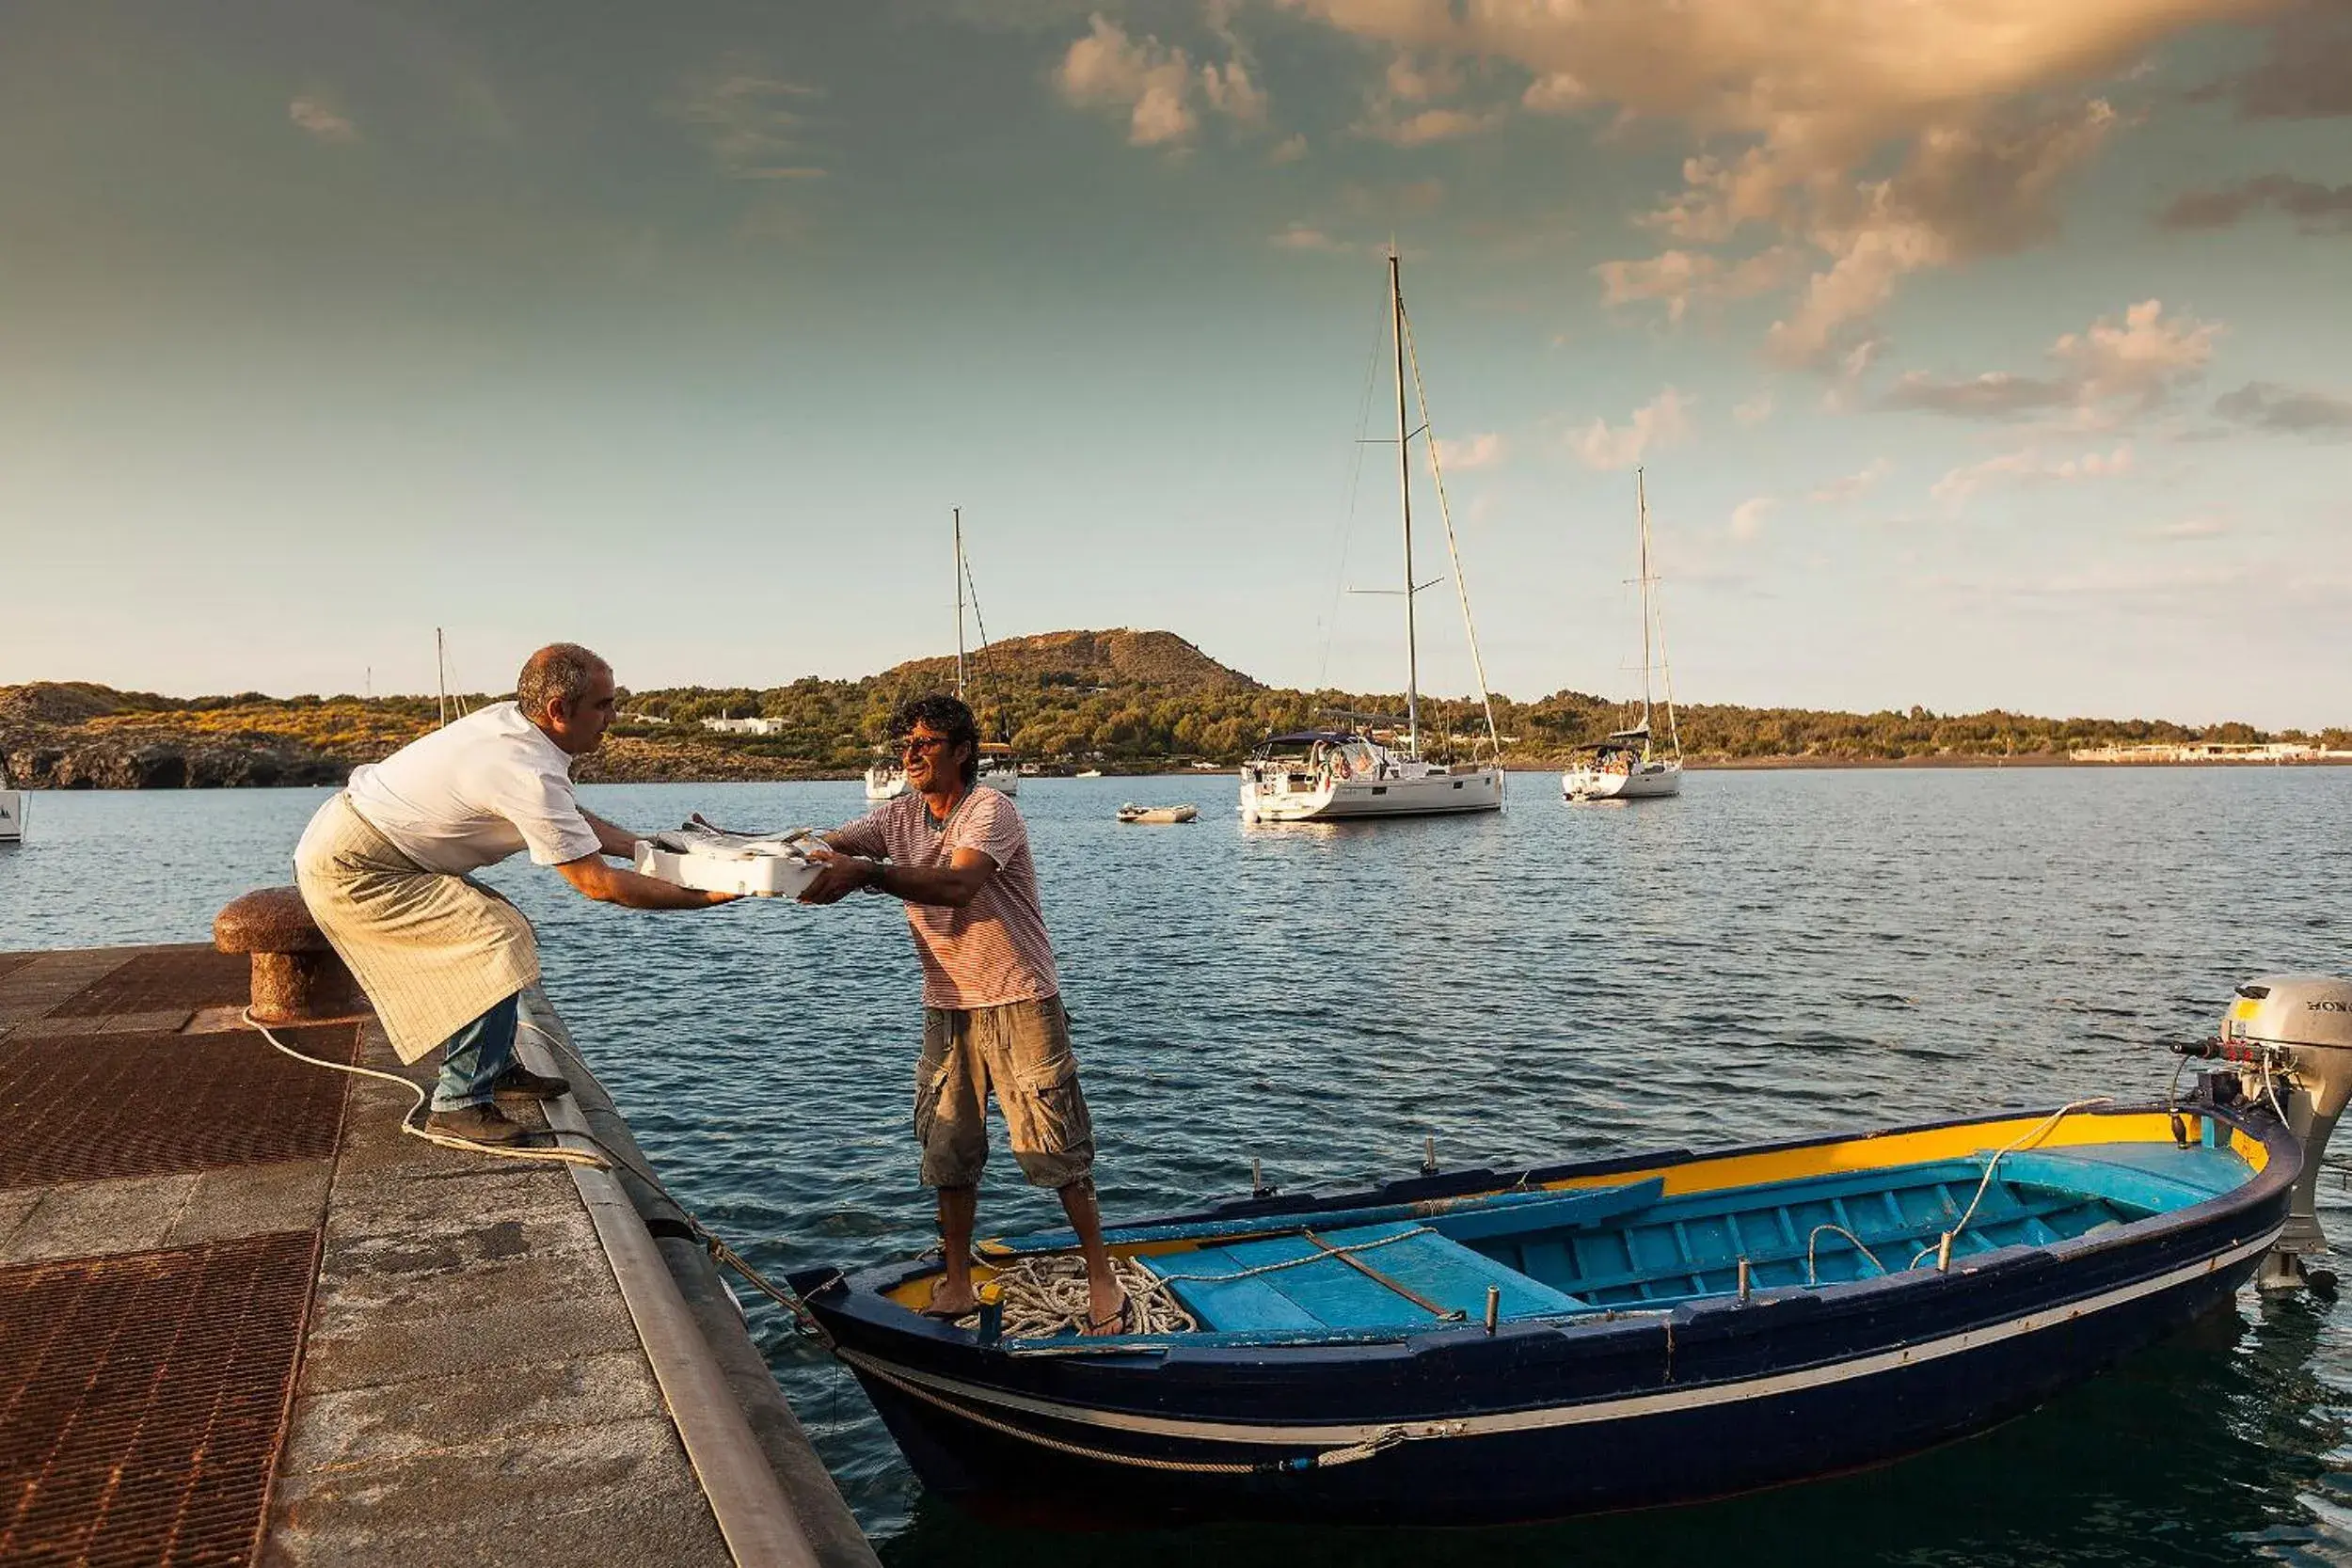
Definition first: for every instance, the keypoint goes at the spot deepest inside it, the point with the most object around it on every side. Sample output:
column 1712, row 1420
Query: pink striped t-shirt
column 994, row 949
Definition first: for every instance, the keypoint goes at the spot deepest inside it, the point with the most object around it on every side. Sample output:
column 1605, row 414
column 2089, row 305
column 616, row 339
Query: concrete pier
column 244, row 1318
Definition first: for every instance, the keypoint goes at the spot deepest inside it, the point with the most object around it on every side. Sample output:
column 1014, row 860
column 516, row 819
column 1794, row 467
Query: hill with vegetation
column 1118, row 699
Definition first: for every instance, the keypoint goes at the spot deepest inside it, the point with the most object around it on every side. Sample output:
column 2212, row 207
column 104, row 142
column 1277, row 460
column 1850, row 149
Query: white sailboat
column 1356, row 767
column 11, row 814
column 1629, row 766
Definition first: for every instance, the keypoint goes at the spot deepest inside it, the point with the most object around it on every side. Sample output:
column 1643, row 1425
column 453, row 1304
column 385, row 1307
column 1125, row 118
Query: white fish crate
column 770, row 867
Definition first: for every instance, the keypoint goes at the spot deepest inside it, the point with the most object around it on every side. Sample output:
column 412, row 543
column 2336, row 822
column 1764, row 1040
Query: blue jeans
column 472, row 1058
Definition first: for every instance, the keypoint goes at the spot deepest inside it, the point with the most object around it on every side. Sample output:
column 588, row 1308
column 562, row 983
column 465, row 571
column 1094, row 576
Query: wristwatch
column 876, row 885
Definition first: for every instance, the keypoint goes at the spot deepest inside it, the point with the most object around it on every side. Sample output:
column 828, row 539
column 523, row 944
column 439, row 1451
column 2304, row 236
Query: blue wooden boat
column 1482, row 1347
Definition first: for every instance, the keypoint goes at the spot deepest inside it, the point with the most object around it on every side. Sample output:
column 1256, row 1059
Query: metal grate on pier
column 187, row 977
column 143, row 1400
column 90, row 1107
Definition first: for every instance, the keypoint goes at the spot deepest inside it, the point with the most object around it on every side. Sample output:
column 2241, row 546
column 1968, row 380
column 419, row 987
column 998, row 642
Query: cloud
column 312, row 114
column 1406, row 110
column 2319, row 209
column 2138, row 364
column 2307, row 73
column 1747, row 518
column 1229, row 90
column 1301, row 236
column 1672, row 278
column 1413, row 81
column 1148, row 80
column 2026, row 467
column 1853, row 484
column 2287, row 410
column 1430, row 125
column 2109, row 372
column 1995, row 394
column 1559, row 93
column 1676, row 279
column 1967, row 192
column 1755, row 411
column 1154, row 86
column 751, row 123
column 1883, row 139
column 1473, row 452
column 1663, row 421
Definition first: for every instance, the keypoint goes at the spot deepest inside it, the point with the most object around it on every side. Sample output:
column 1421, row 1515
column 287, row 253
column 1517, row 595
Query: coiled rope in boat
column 1047, row 1296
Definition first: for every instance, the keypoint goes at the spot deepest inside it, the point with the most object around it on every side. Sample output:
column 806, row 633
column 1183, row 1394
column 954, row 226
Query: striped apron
column 433, row 950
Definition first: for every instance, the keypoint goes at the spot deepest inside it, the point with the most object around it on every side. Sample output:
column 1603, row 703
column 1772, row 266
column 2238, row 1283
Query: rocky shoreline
column 145, row 762
column 47, row 763
column 69, row 762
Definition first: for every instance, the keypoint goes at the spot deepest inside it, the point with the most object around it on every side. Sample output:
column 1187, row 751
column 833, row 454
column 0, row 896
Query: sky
column 1989, row 353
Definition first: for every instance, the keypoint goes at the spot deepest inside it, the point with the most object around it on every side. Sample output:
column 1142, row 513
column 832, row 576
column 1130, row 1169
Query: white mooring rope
column 415, row 1129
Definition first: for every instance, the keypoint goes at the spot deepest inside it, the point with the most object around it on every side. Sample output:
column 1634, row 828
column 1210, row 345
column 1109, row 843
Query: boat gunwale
column 1485, row 1181
column 861, row 1295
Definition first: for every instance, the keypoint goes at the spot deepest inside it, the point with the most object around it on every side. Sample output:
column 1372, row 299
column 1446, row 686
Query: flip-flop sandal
column 945, row 1316
column 1119, row 1321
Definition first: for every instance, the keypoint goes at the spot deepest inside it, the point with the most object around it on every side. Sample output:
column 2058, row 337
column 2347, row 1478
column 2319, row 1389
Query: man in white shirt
column 384, row 867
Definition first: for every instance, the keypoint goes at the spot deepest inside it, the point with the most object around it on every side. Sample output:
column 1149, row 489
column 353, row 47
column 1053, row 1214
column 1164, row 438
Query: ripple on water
column 1771, row 954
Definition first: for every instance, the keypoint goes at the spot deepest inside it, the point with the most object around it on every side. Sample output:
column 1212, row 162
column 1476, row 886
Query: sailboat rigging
column 1354, row 766
column 998, row 770
column 1628, row 764
column 440, row 681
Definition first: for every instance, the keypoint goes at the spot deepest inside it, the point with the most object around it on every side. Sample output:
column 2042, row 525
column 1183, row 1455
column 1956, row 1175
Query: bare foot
column 952, row 1304
column 1106, row 1307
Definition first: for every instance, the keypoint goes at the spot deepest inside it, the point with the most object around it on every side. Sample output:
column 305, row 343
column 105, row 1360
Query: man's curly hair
column 945, row 716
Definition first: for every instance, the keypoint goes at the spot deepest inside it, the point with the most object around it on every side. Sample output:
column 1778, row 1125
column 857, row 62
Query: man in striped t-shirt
column 958, row 855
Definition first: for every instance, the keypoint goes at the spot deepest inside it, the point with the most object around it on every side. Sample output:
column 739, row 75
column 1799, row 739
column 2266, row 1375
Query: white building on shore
column 2210, row 750
column 754, row 725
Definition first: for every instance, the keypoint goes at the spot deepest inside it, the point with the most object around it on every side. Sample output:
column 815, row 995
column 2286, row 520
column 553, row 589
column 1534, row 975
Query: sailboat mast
column 440, row 674
column 1641, row 508
column 1405, row 488
column 958, row 517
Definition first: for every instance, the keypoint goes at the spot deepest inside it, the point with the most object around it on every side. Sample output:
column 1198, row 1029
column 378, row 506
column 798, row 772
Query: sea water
column 1769, row 953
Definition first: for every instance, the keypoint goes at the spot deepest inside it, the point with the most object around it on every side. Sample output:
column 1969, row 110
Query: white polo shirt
column 473, row 793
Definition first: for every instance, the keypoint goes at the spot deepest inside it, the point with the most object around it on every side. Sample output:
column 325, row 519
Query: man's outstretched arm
column 612, row 839
column 611, row 884
column 950, row 886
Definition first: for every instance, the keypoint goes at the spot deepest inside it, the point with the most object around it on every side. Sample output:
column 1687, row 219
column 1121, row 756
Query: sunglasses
column 923, row 743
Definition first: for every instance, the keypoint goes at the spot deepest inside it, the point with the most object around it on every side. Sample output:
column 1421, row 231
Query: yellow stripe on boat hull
column 1887, row 1149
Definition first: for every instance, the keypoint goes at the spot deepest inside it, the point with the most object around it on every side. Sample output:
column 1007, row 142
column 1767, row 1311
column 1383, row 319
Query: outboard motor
column 2295, row 1032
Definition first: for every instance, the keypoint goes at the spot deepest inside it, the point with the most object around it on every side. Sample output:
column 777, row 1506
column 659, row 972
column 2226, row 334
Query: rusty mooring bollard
column 296, row 976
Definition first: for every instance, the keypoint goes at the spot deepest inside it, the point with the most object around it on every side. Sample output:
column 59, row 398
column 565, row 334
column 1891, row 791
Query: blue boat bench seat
column 1231, row 1288
column 1403, row 1265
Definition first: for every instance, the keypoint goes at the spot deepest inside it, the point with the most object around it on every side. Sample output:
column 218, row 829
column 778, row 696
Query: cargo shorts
column 1020, row 1049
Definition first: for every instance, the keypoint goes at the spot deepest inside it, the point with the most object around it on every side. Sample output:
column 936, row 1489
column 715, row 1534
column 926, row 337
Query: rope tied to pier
column 604, row 1157
column 416, row 1128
